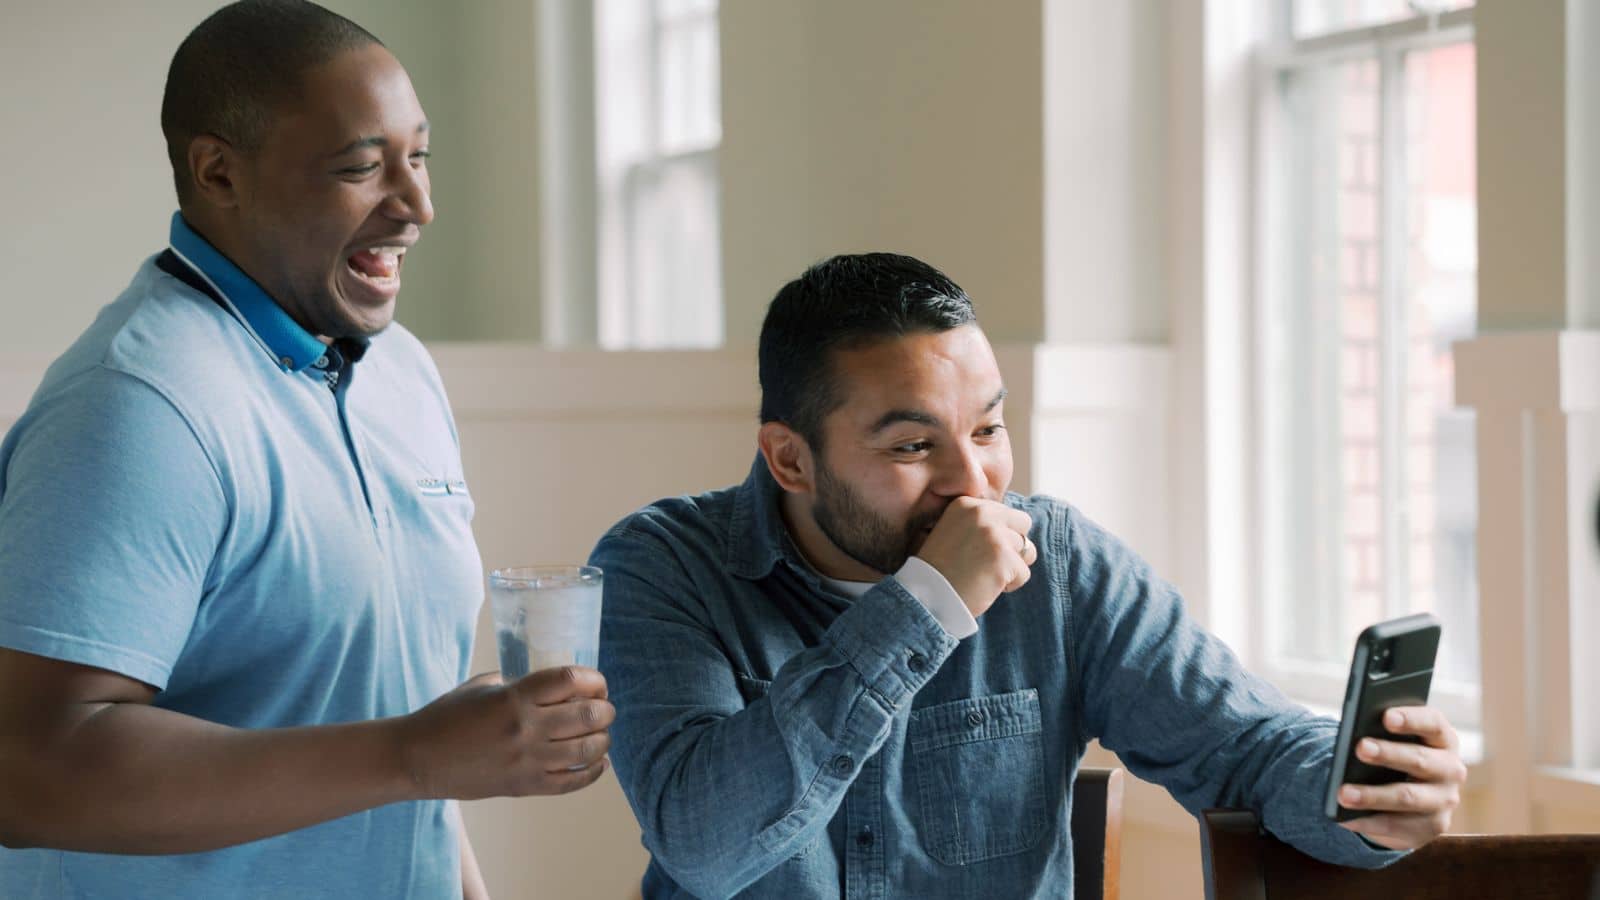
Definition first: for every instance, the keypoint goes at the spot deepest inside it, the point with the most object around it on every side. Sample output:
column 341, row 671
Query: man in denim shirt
column 807, row 702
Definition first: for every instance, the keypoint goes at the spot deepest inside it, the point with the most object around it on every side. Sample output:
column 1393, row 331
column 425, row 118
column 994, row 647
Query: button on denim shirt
column 777, row 739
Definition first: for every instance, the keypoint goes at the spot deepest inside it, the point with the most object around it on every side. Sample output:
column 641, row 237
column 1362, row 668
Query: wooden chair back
column 1242, row 862
column 1097, row 834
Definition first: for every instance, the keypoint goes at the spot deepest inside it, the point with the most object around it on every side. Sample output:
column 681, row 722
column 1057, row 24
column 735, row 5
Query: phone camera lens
column 1382, row 659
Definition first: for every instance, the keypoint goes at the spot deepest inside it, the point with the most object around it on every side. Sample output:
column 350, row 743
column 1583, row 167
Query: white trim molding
column 1530, row 370
column 1537, row 396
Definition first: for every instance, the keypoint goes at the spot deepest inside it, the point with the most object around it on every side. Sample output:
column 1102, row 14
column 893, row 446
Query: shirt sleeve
column 724, row 788
column 933, row 591
column 1179, row 709
column 110, row 516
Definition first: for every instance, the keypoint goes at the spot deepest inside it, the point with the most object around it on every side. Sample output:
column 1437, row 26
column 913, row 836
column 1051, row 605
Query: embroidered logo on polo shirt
column 442, row 487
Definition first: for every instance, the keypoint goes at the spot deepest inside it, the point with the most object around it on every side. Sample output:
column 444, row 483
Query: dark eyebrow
column 376, row 140
column 914, row 416
column 918, row 417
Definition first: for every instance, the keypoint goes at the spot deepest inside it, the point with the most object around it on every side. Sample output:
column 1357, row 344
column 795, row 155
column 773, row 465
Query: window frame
column 1321, row 684
column 629, row 191
column 619, row 320
column 588, row 250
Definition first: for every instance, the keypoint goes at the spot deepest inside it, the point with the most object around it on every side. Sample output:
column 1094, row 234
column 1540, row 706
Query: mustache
column 925, row 521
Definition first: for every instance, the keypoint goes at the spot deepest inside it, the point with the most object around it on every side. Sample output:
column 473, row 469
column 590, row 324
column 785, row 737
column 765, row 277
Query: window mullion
column 638, row 314
column 1393, row 331
column 658, row 105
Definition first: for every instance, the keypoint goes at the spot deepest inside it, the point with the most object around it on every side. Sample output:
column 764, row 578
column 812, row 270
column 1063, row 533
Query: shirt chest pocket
column 979, row 774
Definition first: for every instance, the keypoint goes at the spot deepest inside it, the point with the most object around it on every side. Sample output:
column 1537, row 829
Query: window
column 658, row 125
column 1368, row 236
column 1310, row 18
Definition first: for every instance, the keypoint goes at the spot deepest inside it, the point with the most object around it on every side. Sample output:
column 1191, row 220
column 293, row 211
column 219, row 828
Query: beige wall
column 904, row 125
column 86, row 183
column 551, row 470
column 1521, row 165
column 493, row 215
column 918, row 128
column 89, row 190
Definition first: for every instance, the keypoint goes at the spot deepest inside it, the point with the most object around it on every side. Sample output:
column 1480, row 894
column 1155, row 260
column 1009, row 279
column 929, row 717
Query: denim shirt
column 777, row 739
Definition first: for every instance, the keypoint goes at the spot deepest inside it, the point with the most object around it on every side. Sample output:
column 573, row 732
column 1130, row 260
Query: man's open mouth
column 379, row 265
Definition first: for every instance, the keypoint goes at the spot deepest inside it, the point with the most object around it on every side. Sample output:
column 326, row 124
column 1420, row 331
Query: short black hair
column 845, row 303
column 234, row 68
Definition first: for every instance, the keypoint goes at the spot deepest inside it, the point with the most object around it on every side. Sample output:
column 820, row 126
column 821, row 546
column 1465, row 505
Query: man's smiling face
column 336, row 194
column 922, row 422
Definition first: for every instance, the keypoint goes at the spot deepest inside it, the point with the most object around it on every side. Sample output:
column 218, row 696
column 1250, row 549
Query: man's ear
column 788, row 457
column 214, row 166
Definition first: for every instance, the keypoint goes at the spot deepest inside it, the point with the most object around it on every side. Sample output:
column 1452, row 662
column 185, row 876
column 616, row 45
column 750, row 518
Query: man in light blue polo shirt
column 237, row 572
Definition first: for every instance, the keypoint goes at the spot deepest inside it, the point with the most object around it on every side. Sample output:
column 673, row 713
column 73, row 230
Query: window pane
column 676, row 274
column 1313, row 17
column 658, row 124
column 1441, row 307
column 1369, row 478
column 1323, row 543
column 690, row 95
column 674, row 10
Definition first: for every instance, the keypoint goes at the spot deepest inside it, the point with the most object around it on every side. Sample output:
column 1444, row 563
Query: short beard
column 866, row 537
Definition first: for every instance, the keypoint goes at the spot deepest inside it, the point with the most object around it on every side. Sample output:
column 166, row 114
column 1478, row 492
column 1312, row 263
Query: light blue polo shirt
column 200, row 496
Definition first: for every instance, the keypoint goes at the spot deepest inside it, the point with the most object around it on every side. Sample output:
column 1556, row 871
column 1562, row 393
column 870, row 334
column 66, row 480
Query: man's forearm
column 131, row 778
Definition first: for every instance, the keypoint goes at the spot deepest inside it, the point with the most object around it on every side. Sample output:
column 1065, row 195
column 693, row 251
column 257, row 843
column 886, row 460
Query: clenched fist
column 982, row 548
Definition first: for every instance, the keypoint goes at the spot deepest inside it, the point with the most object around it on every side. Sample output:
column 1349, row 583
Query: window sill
column 1575, row 792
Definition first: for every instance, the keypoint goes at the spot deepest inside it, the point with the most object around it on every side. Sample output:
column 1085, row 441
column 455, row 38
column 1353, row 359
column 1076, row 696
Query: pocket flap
column 974, row 719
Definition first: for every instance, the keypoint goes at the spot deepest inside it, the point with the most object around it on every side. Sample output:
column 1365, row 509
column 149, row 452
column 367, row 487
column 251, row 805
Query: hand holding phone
column 1392, row 667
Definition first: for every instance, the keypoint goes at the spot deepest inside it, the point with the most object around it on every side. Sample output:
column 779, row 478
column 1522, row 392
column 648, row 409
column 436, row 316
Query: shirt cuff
column 934, row 592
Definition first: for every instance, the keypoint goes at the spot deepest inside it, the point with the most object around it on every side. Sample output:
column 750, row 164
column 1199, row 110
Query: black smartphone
column 1392, row 666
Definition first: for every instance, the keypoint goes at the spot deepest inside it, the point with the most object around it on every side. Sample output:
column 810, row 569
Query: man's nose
column 410, row 200
column 962, row 474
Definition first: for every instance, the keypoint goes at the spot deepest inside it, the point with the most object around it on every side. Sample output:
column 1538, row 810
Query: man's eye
column 364, row 169
column 990, row 430
column 421, row 156
column 913, row 447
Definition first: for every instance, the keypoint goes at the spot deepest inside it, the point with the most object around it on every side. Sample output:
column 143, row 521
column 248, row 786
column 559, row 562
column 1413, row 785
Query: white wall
column 1107, row 199
column 558, row 445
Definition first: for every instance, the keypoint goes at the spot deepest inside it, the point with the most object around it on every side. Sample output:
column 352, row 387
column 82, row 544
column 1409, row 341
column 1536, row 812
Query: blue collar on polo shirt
column 291, row 346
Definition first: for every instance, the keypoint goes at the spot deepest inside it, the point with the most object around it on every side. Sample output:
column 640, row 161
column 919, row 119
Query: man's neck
column 223, row 239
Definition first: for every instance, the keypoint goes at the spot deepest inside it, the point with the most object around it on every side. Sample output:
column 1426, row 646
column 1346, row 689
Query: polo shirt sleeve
column 110, row 515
